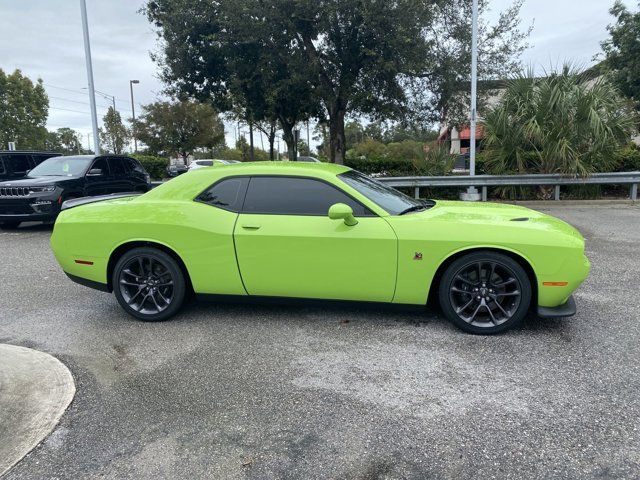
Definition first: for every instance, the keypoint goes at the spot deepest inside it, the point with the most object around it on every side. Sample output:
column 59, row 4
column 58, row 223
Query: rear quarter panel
column 199, row 234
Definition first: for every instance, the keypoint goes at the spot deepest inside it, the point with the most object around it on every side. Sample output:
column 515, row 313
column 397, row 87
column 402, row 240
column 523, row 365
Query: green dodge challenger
column 319, row 231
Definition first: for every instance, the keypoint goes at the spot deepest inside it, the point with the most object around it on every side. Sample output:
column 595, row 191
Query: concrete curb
column 35, row 390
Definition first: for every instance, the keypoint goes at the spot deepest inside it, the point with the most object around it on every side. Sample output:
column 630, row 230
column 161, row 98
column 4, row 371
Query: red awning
column 465, row 133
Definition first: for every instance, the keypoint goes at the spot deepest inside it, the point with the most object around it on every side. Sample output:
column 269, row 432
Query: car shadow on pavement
column 344, row 313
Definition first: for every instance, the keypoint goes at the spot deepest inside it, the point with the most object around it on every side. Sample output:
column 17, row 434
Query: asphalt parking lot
column 236, row 391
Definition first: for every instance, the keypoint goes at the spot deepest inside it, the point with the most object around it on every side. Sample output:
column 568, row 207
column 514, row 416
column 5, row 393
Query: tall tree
column 230, row 54
column 622, row 51
column 114, row 135
column 440, row 91
column 178, row 128
column 24, row 107
column 359, row 52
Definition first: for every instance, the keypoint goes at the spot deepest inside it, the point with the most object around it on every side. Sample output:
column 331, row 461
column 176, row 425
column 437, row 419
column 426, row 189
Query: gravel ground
column 238, row 391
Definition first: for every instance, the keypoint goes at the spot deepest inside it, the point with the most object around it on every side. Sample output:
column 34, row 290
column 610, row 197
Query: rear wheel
column 149, row 284
column 10, row 225
column 485, row 293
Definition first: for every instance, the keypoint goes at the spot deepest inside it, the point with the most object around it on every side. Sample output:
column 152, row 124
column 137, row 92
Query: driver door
column 287, row 245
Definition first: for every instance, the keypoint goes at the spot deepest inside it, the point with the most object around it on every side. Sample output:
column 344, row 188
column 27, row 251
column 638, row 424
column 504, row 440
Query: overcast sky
column 43, row 38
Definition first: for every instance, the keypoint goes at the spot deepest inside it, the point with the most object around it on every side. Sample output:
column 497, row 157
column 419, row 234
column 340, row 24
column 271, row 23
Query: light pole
column 472, row 192
column 133, row 114
column 92, row 95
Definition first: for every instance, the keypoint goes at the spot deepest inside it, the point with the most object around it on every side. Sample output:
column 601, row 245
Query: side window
column 116, row 166
column 133, row 165
column 296, row 196
column 19, row 164
column 2, row 167
column 101, row 163
column 226, row 194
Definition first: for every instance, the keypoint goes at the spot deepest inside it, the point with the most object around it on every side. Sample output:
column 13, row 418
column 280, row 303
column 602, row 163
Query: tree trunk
column 272, row 141
column 251, row 150
column 287, row 135
column 337, row 138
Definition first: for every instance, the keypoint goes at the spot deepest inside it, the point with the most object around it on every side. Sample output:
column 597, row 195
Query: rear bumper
column 567, row 309
column 89, row 283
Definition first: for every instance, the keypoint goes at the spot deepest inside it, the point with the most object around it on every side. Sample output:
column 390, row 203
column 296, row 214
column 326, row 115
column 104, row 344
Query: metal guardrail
column 484, row 181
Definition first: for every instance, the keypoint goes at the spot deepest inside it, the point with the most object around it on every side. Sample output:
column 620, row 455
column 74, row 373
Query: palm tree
column 563, row 123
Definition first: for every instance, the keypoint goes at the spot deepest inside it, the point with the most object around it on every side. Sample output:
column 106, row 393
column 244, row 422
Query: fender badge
column 418, row 256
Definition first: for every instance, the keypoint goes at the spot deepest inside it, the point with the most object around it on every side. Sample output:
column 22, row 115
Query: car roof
column 194, row 182
column 28, row 152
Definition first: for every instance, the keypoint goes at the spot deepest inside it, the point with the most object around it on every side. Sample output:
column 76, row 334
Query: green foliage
column 627, row 159
column 399, row 159
column 64, row 140
column 382, row 166
column 622, row 51
column 179, row 128
column 24, row 108
column 556, row 124
column 114, row 135
column 156, row 167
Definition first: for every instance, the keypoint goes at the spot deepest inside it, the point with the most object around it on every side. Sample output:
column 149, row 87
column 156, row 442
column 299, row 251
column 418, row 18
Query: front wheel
column 149, row 284
column 485, row 293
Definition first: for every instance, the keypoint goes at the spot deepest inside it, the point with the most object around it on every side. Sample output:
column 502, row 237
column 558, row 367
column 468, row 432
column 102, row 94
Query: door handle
column 251, row 227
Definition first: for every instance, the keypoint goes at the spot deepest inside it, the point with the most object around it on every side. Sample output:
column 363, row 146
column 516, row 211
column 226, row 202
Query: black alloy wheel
column 149, row 284
column 485, row 292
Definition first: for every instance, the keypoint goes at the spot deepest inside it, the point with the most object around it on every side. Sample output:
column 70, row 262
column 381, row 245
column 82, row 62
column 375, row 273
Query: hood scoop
column 519, row 219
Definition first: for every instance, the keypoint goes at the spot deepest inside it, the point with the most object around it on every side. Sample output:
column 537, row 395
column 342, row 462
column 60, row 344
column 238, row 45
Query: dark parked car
column 39, row 196
column 176, row 169
column 16, row 164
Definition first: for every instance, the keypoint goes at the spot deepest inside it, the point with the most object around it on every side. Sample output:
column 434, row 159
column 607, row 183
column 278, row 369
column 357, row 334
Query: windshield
column 62, row 166
column 390, row 199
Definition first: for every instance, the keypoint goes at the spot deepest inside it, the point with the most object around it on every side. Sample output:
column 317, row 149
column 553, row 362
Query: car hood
column 29, row 181
column 496, row 216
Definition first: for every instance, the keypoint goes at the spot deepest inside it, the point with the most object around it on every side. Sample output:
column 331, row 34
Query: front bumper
column 33, row 208
column 567, row 309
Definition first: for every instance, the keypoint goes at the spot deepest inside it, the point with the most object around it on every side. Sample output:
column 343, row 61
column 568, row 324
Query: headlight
column 46, row 188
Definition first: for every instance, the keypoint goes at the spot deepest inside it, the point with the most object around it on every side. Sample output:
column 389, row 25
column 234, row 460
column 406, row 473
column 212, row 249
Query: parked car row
column 39, row 193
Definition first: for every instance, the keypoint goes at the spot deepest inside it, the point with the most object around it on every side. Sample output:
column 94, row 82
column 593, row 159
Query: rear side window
column 227, row 194
column 296, row 196
column 2, row 169
column 133, row 165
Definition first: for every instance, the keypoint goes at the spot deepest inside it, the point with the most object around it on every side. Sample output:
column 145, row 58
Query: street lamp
column 133, row 113
column 472, row 192
column 92, row 95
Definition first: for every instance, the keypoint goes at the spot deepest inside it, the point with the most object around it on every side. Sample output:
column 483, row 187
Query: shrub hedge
column 156, row 167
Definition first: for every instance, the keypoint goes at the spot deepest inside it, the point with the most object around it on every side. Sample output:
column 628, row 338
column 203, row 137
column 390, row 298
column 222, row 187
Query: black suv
column 16, row 164
column 39, row 195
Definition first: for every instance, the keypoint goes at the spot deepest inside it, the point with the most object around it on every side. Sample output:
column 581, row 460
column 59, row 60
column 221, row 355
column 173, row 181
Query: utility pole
column 133, row 114
column 308, row 139
column 92, row 94
column 472, row 192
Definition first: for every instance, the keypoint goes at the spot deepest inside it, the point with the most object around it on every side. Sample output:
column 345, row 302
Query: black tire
column 10, row 225
column 485, row 293
column 149, row 284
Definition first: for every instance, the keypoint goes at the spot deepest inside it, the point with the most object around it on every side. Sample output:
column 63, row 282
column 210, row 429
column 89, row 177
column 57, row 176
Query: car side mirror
column 341, row 211
column 94, row 172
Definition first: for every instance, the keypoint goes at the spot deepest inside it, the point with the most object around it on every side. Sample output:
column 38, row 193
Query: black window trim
column 271, row 175
column 242, row 194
